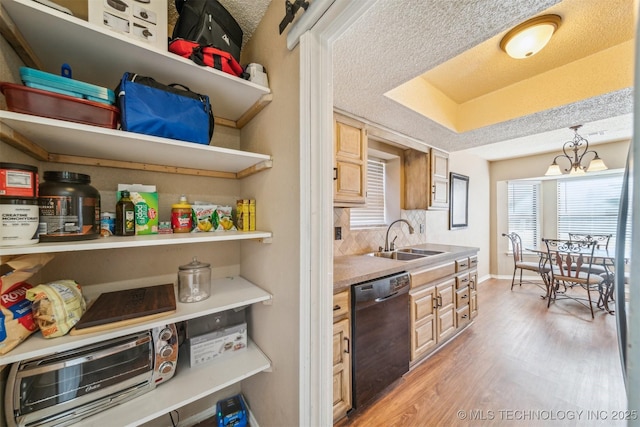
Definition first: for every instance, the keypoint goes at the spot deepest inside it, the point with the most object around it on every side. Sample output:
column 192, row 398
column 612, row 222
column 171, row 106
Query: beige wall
column 273, row 396
column 275, row 267
column 614, row 155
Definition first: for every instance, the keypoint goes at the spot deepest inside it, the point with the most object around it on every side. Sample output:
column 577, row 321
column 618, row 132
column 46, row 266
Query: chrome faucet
column 386, row 239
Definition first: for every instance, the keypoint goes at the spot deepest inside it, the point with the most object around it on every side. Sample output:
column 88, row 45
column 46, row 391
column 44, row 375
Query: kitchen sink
column 406, row 254
column 397, row 255
column 422, row 252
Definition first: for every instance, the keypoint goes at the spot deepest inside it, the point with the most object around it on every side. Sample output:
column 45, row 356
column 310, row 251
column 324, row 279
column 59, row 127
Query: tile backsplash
column 361, row 241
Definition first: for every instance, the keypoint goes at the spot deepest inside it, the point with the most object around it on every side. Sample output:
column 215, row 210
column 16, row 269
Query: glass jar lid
column 194, row 265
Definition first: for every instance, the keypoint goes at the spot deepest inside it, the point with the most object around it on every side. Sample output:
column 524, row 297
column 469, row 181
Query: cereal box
column 145, row 200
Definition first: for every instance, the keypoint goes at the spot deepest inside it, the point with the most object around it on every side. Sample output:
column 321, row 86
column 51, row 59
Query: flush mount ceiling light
column 530, row 37
column 580, row 147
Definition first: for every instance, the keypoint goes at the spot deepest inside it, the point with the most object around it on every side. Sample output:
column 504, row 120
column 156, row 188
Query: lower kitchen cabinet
column 443, row 301
column 341, row 355
column 473, row 293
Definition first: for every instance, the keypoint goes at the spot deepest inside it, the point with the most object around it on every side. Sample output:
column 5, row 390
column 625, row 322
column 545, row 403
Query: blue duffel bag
column 170, row 111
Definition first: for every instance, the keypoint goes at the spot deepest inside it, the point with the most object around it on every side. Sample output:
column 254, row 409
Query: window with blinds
column 524, row 211
column 372, row 215
column 589, row 205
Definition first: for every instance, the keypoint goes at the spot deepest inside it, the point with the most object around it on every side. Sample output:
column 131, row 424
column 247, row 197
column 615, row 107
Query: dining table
column 601, row 257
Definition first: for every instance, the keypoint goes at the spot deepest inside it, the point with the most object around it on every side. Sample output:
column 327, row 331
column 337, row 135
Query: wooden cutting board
column 121, row 308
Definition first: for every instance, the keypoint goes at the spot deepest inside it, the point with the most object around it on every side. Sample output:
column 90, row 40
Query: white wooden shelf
column 226, row 294
column 199, row 381
column 121, row 242
column 101, row 56
column 78, row 143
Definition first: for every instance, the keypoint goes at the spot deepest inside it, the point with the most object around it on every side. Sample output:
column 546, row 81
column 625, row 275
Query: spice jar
column 194, row 281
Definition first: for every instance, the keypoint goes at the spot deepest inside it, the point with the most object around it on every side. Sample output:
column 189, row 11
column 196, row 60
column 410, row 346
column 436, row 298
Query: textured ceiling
column 394, row 42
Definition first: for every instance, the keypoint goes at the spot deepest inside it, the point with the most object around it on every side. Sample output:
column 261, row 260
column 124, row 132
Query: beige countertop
column 351, row 269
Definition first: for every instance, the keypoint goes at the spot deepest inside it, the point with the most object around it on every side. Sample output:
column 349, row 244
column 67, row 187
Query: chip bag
column 223, row 219
column 57, row 306
column 16, row 318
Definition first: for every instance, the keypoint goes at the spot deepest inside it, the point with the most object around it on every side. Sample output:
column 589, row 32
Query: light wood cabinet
column 416, row 180
column 350, row 162
column 439, row 179
column 473, row 293
column 426, row 179
column 423, row 320
column 445, row 298
column 341, row 355
column 443, row 301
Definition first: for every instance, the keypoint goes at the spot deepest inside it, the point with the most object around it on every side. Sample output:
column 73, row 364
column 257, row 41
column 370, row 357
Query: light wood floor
column 518, row 364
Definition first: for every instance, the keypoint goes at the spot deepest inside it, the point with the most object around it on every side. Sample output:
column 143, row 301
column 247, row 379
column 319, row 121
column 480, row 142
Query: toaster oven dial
column 165, row 334
column 166, row 368
column 166, row 351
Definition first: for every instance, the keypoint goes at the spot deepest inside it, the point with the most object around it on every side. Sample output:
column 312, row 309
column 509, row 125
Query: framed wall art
column 458, row 201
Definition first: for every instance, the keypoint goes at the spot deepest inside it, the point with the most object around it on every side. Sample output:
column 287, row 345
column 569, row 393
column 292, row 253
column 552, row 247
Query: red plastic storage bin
column 23, row 99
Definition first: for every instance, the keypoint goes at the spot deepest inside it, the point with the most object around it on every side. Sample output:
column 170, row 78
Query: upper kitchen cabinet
column 439, row 179
column 426, row 183
column 350, row 162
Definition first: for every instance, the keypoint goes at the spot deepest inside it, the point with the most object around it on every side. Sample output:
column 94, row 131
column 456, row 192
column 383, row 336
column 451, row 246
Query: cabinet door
column 446, row 317
column 473, row 288
column 439, row 179
column 350, row 170
column 423, row 322
column 341, row 369
column 416, row 180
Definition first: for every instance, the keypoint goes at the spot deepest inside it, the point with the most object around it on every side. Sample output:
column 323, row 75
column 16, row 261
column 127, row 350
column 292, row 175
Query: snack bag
column 223, row 219
column 203, row 216
column 16, row 319
column 57, row 306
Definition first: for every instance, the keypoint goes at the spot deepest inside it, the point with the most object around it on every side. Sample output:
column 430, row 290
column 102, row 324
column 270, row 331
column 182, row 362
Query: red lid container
column 27, row 100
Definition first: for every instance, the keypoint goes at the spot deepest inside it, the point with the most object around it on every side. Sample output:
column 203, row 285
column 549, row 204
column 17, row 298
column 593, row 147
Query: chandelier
column 574, row 151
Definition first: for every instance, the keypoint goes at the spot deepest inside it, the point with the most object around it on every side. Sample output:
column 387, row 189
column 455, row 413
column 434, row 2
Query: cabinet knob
column 335, row 174
column 336, row 307
column 347, row 348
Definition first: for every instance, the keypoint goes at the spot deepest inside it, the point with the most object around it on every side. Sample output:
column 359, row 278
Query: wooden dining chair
column 518, row 263
column 570, row 268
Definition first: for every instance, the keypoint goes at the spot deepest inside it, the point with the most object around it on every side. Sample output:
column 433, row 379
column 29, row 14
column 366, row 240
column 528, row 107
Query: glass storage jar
column 194, row 281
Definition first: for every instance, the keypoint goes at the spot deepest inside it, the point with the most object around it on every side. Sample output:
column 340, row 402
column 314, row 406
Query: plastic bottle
column 181, row 219
column 125, row 215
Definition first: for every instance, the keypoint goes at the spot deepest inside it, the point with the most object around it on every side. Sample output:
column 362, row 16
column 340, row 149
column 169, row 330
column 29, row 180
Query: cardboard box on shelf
column 207, row 347
column 145, row 200
column 145, row 22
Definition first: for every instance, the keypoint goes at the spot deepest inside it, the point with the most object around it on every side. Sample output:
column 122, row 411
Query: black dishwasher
column 380, row 333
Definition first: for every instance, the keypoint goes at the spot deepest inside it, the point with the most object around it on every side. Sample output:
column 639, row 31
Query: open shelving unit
column 200, row 381
column 45, row 38
column 97, row 55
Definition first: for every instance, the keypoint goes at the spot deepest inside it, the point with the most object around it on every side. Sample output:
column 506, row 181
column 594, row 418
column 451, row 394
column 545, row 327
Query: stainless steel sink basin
column 397, row 255
column 422, row 252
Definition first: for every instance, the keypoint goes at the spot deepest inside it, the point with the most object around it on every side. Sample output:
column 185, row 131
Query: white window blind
column 589, row 205
column 373, row 214
column 524, row 211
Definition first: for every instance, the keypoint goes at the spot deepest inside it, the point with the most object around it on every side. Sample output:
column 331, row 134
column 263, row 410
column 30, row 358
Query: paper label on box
column 210, row 346
column 145, row 201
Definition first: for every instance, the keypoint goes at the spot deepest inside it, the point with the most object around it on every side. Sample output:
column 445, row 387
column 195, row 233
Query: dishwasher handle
column 381, row 299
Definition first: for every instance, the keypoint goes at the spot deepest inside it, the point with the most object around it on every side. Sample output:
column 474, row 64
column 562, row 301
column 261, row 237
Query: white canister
column 19, row 218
